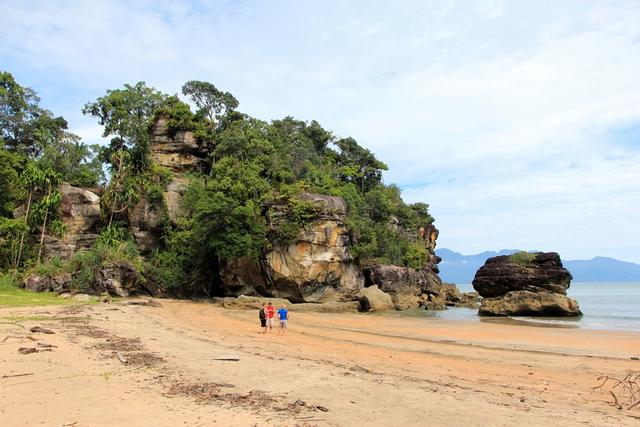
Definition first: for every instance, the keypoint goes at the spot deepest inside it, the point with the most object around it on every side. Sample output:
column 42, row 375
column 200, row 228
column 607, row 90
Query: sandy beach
column 329, row 370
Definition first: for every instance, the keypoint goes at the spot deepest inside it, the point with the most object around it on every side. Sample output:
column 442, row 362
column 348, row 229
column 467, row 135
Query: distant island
column 458, row 268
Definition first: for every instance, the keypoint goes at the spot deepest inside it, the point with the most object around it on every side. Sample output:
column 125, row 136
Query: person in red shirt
column 270, row 311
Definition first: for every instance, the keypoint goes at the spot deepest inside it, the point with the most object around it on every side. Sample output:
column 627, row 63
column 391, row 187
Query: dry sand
column 329, row 370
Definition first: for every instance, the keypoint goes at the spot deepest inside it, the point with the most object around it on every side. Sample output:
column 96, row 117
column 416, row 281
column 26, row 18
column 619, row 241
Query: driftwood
column 228, row 358
column 41, row 330
column 46, row 345
column 27, row 350
column 625, row 391
column 28, row 337
column 16, row 375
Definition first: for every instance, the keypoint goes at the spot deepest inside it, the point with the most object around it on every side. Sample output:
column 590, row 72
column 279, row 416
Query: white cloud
column 502, row 115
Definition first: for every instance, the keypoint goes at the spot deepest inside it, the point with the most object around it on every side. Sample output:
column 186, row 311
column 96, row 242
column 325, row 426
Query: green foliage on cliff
column 246, row 200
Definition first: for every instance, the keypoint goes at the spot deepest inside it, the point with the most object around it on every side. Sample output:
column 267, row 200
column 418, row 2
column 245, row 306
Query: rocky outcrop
column 179, row 152
column 374, row 299
column 317, row 267
column 408, row 287
column 80, row 212
column 501, row 274
column 526, row 303
column 120, row 278
column 535, row 287
column 57, row 283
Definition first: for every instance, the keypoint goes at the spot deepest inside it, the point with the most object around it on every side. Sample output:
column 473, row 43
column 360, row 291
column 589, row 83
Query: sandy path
column 366, row 370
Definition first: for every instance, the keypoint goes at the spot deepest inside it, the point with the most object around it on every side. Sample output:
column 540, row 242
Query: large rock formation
column 408, row 287
column 317, row 267
column 80, row 212
column 179, row 152
column 535, row 287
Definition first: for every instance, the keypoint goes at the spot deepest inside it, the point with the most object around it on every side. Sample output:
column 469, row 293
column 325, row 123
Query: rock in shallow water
column 534, row 285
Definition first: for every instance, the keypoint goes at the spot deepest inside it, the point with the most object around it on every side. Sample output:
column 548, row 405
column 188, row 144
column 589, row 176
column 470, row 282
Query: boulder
column 530, row 285
column 119, row 278
column 451, row 294
column 526, row 303
column 501, row 274
column 374, row 299
column 35, row 283
column 468, row 300
column 57, row 283
column 404, row 285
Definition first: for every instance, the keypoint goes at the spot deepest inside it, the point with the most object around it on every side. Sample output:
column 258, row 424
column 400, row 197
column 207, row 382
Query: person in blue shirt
column 283, row 315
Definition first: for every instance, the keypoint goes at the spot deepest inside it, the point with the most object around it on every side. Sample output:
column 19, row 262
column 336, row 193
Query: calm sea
column 606, row 305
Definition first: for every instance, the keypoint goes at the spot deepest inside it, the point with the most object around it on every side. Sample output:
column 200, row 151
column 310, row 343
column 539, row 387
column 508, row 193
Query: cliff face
column 317, row 267
column 180, row 153
column 80, row 212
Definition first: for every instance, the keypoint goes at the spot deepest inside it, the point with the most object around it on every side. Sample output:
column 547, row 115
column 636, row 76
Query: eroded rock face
column 80, row 212
column 317, row 267
column 500, row 275
column 180, row 152
column 408, row 287
column 535, row 289
column 525, row 303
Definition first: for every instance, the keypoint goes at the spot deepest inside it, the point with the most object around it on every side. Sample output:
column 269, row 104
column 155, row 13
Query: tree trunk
column 44, row 224
column 26, row 221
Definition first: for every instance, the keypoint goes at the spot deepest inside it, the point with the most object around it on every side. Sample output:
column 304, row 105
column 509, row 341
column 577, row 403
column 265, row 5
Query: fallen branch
column 625, row 391
column 41, row 330
column 16, row 375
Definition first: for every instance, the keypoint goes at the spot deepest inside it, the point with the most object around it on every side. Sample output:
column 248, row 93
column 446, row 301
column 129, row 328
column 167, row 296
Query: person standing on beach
column 270, row 312
column 283, row 315
column 263, row 318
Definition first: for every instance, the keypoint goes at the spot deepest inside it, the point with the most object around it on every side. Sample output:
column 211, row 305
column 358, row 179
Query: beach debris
column 28, row 337
column 147, row 303
column 321, row 408
column 46, row 345
column 624, row 391
column 27, row 350
column 17, row 375
column 121, row 358
column 41, row 330
column 228, row 357
column 635, row 358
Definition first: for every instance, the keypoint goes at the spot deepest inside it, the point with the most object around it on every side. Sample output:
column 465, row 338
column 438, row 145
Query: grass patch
column 522, row 258
column 15, row 297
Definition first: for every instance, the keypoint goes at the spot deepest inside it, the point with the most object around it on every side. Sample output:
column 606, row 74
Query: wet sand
column 329, row 370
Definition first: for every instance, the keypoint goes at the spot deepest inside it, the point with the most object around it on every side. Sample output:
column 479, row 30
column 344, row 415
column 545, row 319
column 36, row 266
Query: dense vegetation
column 242, row 202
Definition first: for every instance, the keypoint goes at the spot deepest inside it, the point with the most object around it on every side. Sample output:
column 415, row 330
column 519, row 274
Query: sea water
column 605, row 305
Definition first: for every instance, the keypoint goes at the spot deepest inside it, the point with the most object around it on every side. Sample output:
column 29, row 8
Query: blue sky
column 517, row 121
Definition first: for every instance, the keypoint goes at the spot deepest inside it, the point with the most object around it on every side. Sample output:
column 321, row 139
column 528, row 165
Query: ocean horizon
column 605, row 306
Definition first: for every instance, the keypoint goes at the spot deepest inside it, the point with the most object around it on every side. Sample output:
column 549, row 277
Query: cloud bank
column 517, row 121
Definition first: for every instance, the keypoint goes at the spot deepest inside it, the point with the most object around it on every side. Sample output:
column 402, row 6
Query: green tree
column 212, row 103
column 126, row 115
